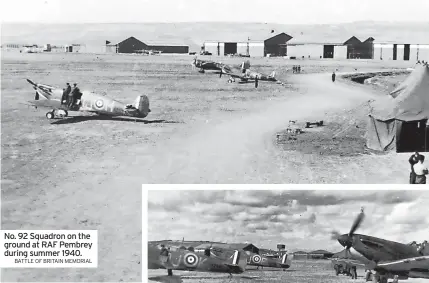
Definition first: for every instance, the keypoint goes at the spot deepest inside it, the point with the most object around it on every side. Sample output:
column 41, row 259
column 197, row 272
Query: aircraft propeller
column 346, row 240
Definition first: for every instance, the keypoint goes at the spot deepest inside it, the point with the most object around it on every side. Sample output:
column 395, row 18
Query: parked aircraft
column 246, row 75
column 204, row 65
column 88, row 102
column 386, row 258
column 281, row 261
column 187, row 260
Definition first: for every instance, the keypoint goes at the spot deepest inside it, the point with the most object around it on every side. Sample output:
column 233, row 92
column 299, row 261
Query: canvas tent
column 398, row 122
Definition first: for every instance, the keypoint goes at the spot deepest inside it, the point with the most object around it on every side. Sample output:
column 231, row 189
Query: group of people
column 418, row 169
column 70, row 95
column 296, row 69
column 423, row 62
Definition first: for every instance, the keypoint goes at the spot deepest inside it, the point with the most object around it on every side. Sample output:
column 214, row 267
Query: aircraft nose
column 345, row 240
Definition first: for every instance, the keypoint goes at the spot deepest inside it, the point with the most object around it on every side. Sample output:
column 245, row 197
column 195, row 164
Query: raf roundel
column 99, row 103
column 191, row 260
column 256, row 258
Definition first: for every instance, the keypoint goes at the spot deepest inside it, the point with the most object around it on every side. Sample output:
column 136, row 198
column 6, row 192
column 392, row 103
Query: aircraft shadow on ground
column 79, row 119
column 169, row 279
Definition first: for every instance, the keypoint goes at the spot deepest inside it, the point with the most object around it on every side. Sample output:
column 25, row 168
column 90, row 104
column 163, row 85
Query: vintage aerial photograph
column 288, row 236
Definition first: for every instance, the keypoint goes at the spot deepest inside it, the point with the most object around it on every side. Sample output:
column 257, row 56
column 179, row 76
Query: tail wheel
column 50, row 115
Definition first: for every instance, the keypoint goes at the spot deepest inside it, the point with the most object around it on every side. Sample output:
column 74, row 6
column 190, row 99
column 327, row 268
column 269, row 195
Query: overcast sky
column 272, row 11
column 298, row 219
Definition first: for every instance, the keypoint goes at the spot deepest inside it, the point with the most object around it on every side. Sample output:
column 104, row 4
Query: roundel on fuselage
column 99, row 103
column 190, row 260
column 256, row 258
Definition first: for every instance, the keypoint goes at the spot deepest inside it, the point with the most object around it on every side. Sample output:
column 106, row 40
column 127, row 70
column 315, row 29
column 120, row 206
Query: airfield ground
column 86, row 172
column 301, row 271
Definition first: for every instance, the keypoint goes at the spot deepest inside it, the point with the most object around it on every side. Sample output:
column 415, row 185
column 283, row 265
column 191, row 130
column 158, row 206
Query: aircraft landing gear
column 170, row 272
column 50, row 115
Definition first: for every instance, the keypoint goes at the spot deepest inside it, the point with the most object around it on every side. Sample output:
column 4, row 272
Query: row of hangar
column 306, row 48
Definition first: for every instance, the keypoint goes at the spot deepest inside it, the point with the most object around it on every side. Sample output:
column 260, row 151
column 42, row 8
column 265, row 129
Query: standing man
column 66, row 92
column 73, row 95
column 421, row 170
column 333, row 76
column 414, row 159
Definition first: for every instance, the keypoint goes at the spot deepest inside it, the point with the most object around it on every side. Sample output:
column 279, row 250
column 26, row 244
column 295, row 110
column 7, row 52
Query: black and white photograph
column 288, row 236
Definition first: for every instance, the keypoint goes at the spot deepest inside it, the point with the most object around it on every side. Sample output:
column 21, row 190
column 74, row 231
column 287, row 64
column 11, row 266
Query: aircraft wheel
column 383, row 279
column 66, row 113
column 50, row 115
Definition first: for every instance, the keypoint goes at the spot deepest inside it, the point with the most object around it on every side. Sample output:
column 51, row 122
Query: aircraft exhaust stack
column 142, row 104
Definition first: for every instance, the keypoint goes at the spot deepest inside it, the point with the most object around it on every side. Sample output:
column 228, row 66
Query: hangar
column 255, row 46
column 389, row 50
column 305, row 47
column 133, row 45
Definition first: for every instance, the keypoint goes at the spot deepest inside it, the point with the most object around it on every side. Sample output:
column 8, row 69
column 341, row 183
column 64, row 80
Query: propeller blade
column 357, row 222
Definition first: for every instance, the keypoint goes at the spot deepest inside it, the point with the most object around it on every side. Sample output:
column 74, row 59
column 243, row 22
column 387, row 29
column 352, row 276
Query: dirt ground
column 86, row 172
column 301, row 271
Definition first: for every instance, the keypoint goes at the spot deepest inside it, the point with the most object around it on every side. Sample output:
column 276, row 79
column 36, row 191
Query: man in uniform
column 414, row 159
column 73, row 95
column 66, row 92
column 333, row 77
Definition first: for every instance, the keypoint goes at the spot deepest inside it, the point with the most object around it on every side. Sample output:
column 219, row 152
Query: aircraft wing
column 349, row 261
column 231, row 72
column 45, row 103
column 421, row 262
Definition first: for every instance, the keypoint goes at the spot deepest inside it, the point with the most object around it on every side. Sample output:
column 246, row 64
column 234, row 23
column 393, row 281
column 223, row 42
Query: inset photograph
column 288, row 236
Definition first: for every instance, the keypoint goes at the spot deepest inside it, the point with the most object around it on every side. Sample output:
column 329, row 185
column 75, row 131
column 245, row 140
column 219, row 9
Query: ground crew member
column 354, row 272
column 294, row 69
column 333, row 77
column 414, row 159
column 66, row 91
column 420, row 170
column 73, row 95
column 299, row 69
column 256, row 81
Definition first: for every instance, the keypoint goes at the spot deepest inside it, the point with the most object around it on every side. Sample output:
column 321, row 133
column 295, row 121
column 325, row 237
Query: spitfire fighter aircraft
column 188, row 260
column 246, row 75
column 88, row 102
column 386, row 258
column 203, row 65
column 281, row 261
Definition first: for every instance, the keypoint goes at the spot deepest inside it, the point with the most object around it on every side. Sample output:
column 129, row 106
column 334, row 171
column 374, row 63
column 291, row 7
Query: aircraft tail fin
column 245, row 65
column 142, row 104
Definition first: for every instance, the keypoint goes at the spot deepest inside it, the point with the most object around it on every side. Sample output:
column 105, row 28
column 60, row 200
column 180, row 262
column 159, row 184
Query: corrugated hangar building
column 255, row 46
column 133, row 45
column 401, row 52
column 305, row 47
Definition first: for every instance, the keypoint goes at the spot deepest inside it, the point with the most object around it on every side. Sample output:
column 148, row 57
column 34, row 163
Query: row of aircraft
column 104, row 105
column 213, row 259
column 382, row 259
column 242, row 73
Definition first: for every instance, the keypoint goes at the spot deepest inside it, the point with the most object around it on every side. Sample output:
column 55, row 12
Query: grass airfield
column 301, row 271
column 85, row 172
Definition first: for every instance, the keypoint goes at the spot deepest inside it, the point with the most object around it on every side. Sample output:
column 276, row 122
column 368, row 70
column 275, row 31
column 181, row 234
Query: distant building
column 389, row 50
column 300, row 255
column 305, row 47
column 255, row 46
column 133, row 45
column 320, row 254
